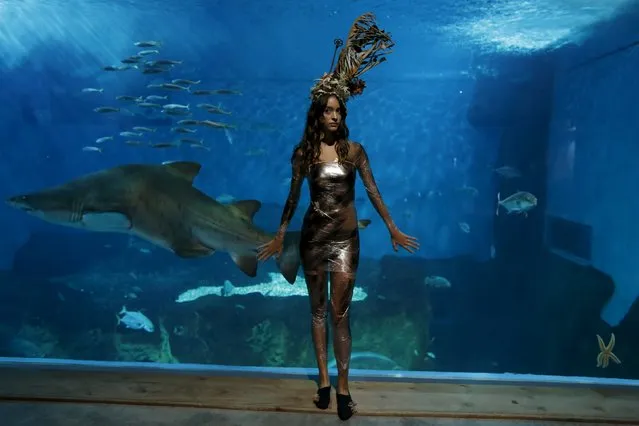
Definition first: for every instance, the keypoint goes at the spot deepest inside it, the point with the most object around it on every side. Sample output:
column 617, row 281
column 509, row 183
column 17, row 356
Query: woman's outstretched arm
column 297, row 178
column 366, row 173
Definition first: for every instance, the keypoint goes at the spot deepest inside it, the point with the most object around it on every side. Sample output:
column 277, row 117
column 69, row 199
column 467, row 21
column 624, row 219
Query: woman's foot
column 345, row 406
column 323, row 398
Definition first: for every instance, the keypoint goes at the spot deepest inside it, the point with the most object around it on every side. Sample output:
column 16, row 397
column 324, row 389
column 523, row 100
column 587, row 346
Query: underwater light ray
column 516, row 25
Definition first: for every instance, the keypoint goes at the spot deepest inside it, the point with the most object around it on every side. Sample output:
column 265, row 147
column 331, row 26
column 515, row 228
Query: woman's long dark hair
column 312, row 137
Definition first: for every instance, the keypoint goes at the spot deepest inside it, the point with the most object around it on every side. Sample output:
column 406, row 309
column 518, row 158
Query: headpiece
column 364, row 49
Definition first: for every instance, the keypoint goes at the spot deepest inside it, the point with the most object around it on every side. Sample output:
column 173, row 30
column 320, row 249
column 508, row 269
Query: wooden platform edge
column 159, row 387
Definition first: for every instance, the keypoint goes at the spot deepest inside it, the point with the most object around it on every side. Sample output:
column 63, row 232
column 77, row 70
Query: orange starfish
column 605, row 352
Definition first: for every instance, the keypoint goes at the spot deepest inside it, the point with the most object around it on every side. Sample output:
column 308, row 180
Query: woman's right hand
column 272, row 248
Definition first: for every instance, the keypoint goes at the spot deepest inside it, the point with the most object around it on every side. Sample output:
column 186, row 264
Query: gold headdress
column 364, row 49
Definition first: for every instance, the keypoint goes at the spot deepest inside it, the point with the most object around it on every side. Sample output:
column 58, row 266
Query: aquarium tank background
column 503, row 134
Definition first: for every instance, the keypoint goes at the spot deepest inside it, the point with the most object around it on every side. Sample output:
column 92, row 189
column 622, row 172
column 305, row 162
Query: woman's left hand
column 408, row 243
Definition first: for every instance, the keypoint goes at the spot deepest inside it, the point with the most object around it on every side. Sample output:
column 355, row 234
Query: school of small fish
column 157, row 102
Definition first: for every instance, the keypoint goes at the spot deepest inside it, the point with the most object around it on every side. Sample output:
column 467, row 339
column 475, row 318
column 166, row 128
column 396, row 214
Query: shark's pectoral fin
column 191, row 249
column 106, row 221
column 185, row 169
column 245, row 208
column 247, row 264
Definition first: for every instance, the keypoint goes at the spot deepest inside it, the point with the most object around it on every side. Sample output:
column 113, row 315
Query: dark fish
column 153, row 70
column 163, row 145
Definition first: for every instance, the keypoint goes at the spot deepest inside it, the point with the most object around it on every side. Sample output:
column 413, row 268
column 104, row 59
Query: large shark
column 160, row 204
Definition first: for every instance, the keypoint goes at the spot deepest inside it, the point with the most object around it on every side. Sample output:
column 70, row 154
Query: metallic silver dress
column 330, row 241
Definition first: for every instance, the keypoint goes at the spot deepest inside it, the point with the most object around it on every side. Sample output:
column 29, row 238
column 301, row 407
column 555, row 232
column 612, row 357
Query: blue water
column 544, row 88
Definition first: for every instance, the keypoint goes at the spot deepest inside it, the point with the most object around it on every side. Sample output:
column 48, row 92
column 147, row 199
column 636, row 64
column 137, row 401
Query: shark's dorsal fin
column 246, row 208
column 184, row 169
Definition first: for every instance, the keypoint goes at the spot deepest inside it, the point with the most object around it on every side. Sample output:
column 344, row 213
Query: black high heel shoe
column 345, row 406
column 323, row 398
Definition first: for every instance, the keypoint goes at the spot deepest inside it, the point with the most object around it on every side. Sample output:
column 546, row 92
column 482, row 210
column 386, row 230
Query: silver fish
column 183, row 82
column 148, row 43
column 168, row 86
column 216, row 124
column 176, row 106
column 104, row 139
column 181, row 112
column 92, row 149
column 135, row 320
column 119, row 67
column 191, row 141
column 144, row 129
column 148, row 52
column 182, row 130
column 213, row 109
column 128, row 98
column 519, row 203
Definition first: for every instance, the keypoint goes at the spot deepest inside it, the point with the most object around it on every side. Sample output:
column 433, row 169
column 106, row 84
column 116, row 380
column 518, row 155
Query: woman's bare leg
column 316, row 282
column 342, row 286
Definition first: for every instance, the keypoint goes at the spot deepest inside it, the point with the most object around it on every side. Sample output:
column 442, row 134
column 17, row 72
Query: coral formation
column 146, row 352
column 270, row 340
column 398, row 337
column 35, row 342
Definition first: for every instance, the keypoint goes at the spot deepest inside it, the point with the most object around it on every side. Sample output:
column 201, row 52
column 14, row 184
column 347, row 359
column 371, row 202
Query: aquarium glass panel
column 437, row 186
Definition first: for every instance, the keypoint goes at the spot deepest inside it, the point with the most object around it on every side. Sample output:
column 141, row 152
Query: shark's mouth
column 20, row 206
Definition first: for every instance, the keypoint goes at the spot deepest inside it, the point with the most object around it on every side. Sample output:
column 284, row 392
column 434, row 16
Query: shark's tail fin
column 289, row 260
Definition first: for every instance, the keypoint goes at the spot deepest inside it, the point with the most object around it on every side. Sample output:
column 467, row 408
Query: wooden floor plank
column 74, row 414
column 394, row 399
